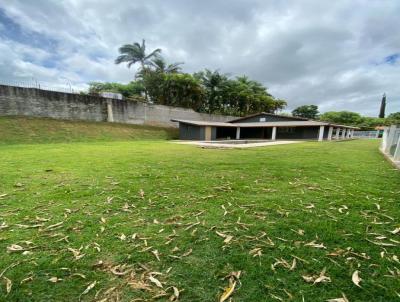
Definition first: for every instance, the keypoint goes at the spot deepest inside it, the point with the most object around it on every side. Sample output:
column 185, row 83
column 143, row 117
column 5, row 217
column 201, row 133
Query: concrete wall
column 60, row 105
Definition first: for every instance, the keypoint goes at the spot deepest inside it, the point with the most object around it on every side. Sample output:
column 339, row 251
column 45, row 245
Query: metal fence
column 391, row 142
column 366, row 134
column 67, row 87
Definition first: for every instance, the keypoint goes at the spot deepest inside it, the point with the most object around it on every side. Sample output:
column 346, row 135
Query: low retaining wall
column 69, row 106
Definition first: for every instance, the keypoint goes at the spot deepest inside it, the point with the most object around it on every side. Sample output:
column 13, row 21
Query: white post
column 390, row 137
column 273, row 137
column 110, row 117
column 321, row 133
column 348, row 133
column 396, row 155
column 238, row 133
column 384, row 139
column 344, row 133
column 330, row 133
column 337, row 133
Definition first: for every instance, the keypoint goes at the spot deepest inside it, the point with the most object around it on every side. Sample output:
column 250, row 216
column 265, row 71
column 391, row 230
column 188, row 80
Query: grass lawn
column 142, row 220
column 17, row 130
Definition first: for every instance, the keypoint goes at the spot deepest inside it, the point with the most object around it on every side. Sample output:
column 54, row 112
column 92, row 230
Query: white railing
column 391, row 143
column 366, row 134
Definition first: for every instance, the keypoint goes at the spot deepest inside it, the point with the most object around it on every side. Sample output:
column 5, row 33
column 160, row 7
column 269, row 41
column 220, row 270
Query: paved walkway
column 235, row 144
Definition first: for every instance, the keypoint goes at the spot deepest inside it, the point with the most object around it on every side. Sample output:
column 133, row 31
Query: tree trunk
column 146, row 95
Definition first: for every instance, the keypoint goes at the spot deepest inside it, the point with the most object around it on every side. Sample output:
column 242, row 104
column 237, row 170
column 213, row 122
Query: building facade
column 263, row 126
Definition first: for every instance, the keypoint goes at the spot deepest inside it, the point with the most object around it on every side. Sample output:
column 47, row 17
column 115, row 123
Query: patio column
column 273, row 137
column 238, row 133
column 330, row 132
column 337, row 133
column 344, row 133
column 321, row 133
column 207, row 133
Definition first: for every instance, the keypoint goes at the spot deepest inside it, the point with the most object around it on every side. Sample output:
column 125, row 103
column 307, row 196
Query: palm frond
column 153, row 54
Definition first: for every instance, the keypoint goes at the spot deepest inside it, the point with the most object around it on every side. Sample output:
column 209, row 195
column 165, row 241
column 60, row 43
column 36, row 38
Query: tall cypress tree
column 383, row 106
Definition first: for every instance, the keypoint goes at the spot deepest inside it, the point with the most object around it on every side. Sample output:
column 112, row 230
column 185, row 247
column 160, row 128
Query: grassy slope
column 14, row 130
column 277, row 190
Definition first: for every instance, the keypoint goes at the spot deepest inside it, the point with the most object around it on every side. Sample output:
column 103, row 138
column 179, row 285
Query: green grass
column 342, row 195
column 16, row 130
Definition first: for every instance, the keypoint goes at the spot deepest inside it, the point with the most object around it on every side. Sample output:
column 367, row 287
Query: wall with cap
column 60, row 105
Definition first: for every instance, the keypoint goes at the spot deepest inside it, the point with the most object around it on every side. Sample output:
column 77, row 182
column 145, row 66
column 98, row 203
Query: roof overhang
column 261, row 124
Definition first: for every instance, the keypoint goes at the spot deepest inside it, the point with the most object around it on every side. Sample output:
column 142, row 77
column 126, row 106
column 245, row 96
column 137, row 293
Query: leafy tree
column 369, row 123
column 342, row 117
column 182, row 90
column 393, row 118
column 174, row 89
column 306, row 111
column 239, row 96
column 132, row 89
column 215, row 85
column 154, row 83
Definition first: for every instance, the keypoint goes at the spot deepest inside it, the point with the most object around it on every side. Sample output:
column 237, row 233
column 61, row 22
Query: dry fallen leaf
column 233, row 278
column 343, row 299
column 90, row 286
column 316, row 245
column 356, row 278
column 156, row 254
column 54, row 279
column 15, row 248
column 315, row 279
column 175, row 295
column 228, row 292
column 155, row 281
column 8, row 284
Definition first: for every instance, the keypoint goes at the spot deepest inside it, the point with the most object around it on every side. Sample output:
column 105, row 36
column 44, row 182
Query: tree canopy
column 132, row 89
column 306, row 111
column 355, row 119
column 204, row 91
column 342, row 117
column 394, row 118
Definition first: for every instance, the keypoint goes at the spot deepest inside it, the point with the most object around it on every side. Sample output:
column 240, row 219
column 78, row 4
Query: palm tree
column 161, row 66
column 135, row 53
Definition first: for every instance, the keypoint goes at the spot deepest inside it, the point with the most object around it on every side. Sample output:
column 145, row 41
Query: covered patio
column 280, row 130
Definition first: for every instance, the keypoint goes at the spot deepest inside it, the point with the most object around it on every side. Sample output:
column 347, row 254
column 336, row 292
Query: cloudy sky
column 340, row 55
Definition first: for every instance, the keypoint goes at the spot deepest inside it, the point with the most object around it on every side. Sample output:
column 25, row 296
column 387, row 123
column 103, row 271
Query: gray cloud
column 326, row 53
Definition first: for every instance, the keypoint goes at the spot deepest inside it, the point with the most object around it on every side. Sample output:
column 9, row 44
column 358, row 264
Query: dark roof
column 270, row 114
column 261, row 124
